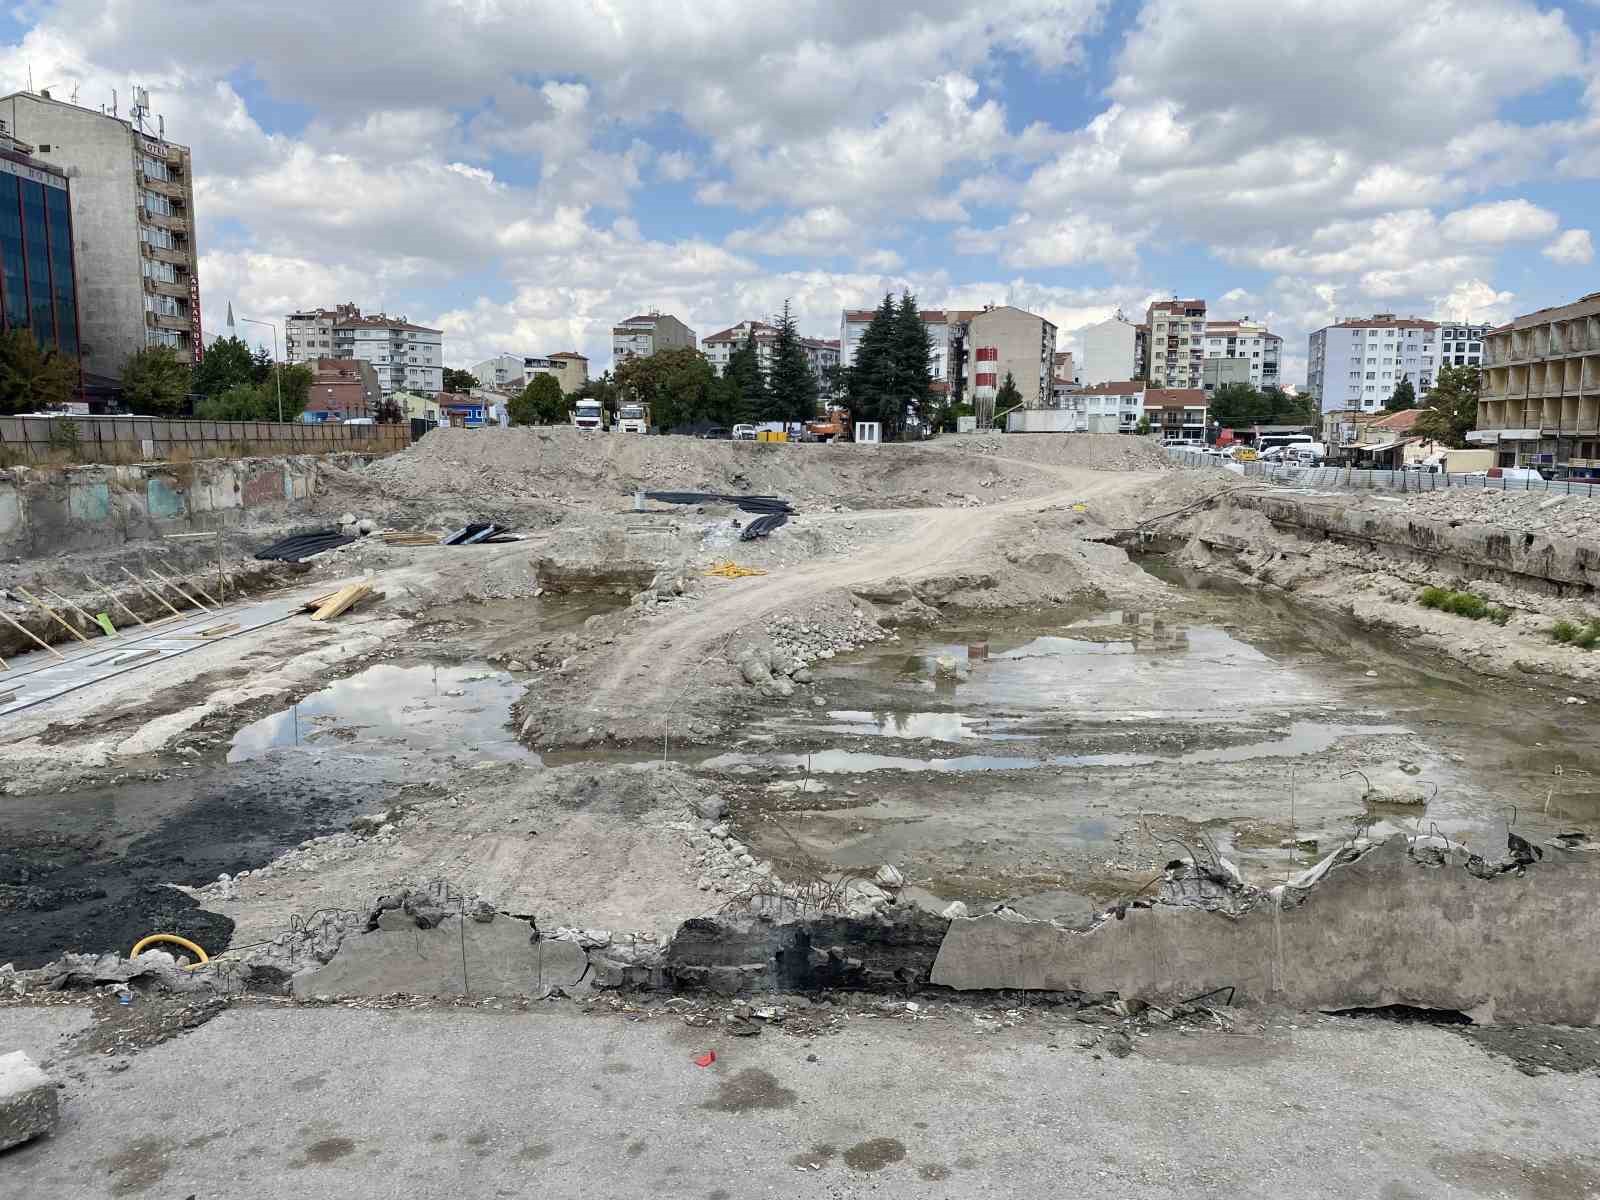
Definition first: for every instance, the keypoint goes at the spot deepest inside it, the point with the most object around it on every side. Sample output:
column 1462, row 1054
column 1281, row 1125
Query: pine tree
column 912, row 349
column 870, row 381
column 793, row 386
column 1008, row 397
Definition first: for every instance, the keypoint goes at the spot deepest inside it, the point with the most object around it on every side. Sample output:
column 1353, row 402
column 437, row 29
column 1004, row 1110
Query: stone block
column 485, row 958
column 29, row 1105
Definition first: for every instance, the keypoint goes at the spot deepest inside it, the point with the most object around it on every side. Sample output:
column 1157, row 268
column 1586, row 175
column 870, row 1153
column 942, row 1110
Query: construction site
column 778, row 818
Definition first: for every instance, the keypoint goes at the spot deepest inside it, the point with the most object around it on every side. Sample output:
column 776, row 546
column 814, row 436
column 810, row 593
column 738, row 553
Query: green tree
column 457, row 380
column 227, row 363
column 735, row 395
column 32, row 378
column 1450, row 409
column 1008, row 397
column 869, row 383
column 241, row 402
column 260, row 365
column 155, row 383
column 540, row 403
column 912, row 350
column 677, row 385
column 1404, row 398
column 793, row 388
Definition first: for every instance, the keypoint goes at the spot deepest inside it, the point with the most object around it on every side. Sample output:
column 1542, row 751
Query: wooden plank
column 340, row 601
column 54, row 615
column 219, row 630
column 150, row 591
column 176, row 588
column 87, row 616
column 115, row 600
column 29, row 633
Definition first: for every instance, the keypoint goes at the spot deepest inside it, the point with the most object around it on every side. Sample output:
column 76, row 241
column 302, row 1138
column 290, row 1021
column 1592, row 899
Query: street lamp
column 277, row 370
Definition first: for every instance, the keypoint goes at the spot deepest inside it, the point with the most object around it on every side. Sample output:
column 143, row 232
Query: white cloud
column 1068, row 241
column 821, row 232
column 1475, row 301
column 1503, row 221
column 880, row 260
column 1574, row 248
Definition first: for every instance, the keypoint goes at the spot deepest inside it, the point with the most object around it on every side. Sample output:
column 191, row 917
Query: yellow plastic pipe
column 144, row 943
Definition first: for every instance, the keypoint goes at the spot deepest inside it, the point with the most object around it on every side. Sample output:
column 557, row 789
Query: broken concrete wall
column 884, row 952
column 1558, row 565
column 60, row 509
column 1377, row 931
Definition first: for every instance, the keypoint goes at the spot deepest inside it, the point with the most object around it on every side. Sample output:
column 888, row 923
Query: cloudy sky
column 524, row 173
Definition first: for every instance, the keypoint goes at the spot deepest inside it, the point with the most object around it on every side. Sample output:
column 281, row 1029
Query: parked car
column 744, row 433
column 716, row 434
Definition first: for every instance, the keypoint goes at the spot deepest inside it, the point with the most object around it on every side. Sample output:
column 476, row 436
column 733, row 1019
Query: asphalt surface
column 319, row 1102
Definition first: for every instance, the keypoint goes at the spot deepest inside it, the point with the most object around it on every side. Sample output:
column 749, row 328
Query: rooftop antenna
column 140, row 106
column 113, row 102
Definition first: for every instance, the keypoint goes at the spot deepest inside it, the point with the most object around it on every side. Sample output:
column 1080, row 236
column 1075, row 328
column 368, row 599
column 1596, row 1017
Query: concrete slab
column 459, row 958
column 29, row 1107
column 40, row 1031
column 1379, row 931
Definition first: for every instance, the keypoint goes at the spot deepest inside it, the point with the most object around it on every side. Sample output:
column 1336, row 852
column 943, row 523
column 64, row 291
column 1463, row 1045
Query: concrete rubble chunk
column 889, row 878
column 29, row 1105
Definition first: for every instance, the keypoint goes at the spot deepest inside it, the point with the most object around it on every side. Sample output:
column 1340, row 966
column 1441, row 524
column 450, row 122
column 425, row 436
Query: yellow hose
column 144, row 943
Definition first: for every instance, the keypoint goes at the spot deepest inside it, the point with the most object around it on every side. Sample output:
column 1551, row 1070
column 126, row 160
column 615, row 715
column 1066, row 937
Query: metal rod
column 176, row 588
column 54, row 615
column 22, row 629
column 115, row 599
column 70, row 604
column 150, row 591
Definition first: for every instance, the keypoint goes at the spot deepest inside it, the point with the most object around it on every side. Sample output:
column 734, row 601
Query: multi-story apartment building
column 1177, row 412
column 1248, row 340
column 308, row 334
column 1358, row 363
column 1175, row 334
column 1539, row 403
column 1461, row 345
column 1216, row 372
column 407, row 357
column 650, row 333
column 132, row 220
column 822, row 356
column 38, row 282
column 1000, row 341
column 571, row 370
column 1110, row 351
column 501, row 372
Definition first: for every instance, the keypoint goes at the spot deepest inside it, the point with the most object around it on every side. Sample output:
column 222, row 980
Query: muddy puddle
column 1057, row 765
column 431, row 709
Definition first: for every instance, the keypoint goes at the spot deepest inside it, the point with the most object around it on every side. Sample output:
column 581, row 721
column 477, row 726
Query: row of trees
column 1241, row 405
column 231, row 383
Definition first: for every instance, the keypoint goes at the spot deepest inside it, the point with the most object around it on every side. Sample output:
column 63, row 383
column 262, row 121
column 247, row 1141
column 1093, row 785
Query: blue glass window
column 15, row 296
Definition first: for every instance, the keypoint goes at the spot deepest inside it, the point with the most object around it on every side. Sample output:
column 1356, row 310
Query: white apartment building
column 1248, row 340
column 719, row 348
column 650, row 333
column 1175, row 331
column 501, row 371
column 407, row 357
column 1358, row 363
column 853, row 324
column 308, row 334
column 1000, row 341
column 1109, row 350
column 1462, row 345
column 1108, row 407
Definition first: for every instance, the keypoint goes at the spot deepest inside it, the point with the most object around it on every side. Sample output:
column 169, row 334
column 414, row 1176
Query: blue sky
column 529, row 173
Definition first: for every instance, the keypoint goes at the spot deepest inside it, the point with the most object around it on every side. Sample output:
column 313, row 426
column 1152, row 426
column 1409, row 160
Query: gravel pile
column 1558, row 515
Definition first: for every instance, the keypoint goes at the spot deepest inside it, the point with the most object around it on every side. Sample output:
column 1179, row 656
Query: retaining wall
column 60, row 509
column 1558, row 565
column 96, row 439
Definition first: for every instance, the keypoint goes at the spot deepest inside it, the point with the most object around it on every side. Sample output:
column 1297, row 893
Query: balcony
column 161, row 254
column 163, row 321
column 161, row 187
column 178, row 222
column 160, row 287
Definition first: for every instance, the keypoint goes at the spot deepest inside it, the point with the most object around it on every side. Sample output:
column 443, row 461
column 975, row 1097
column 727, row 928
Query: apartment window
column 155, row 203
column 163, row 271
column 156, row 237
column 161, row 337
column 153, row 168
column 166, row 306
column 1372, row 362
column 1372, row 375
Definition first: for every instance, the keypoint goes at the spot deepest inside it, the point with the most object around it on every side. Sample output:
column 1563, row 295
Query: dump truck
column 589, row 414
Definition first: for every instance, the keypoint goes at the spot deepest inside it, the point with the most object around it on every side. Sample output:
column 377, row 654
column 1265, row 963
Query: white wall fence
column 1351, row 479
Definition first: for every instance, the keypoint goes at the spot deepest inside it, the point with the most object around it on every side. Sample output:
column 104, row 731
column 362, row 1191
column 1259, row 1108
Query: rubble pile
column 1557, row 514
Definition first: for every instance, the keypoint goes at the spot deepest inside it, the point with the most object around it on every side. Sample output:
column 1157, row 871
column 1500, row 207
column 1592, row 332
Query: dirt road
column 663, row 659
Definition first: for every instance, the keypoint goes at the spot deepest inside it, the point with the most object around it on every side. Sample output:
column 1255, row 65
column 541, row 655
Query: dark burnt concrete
column 1377, row 931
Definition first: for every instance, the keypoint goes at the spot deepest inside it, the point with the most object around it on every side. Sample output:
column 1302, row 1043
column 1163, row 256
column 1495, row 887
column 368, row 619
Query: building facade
column 342, row 389
column 132, row 215
column 853, row 326
column 1539, row 403
column 1358, row 363
column 822, row 355
column 1248, row 340
column 1175, row 335
column 1216, row 372
column 1462, row 345
column 650, row 333
column 501, row 371
column 1177, row 412
column 571, row 370
column 1001, row 341
column 1109, row 351
column 308, row 334
column 38, row 280
column 407, row 357
column 1115, row 407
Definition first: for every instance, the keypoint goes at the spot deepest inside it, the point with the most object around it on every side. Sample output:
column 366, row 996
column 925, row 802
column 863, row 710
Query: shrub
column 1433, row 597
column 1587, row 639
column 1466, row 604
column 1565, row 631
column 1463, row 604
column 1499, row 615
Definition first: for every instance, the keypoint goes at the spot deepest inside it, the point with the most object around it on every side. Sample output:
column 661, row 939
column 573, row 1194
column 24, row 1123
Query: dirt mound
column 499, row 468
column 1091, row 451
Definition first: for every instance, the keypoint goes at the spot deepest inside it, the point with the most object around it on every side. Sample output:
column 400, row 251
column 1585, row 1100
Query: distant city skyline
column 524, row 177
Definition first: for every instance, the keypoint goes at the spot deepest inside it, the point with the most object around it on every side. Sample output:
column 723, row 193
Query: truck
column 831, row 426
column 589, row 414
column 633, row 417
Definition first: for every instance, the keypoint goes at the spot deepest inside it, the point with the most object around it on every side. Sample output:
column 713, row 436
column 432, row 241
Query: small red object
column 706, row 1059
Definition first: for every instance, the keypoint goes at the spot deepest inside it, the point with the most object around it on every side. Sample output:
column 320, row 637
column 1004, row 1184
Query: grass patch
column 1570, row 633
column 1463, row 604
